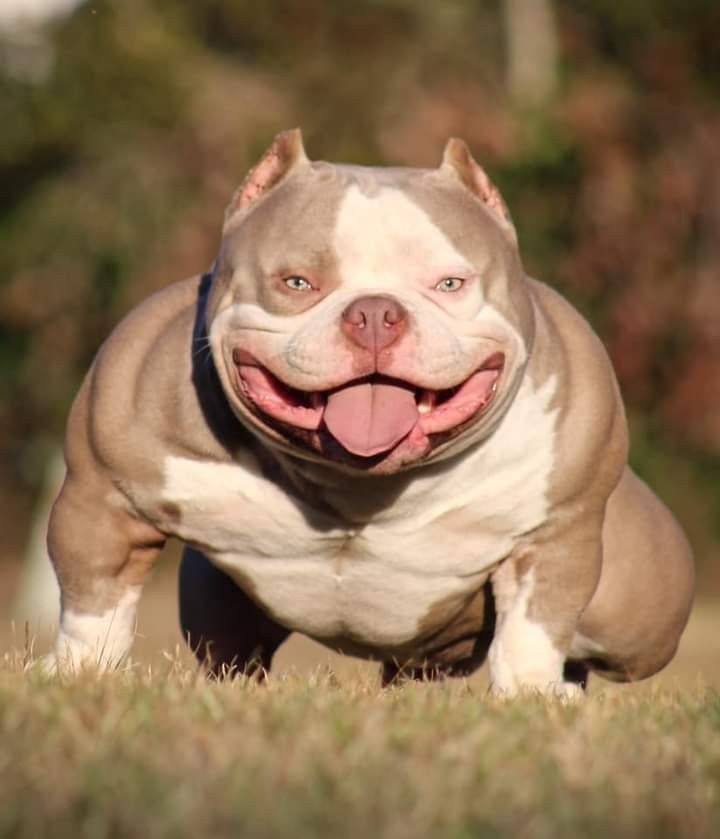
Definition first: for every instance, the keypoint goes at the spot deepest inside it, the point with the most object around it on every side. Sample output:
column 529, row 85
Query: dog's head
column 373, row 318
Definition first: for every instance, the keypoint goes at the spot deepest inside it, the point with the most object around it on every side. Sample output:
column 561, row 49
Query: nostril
column 393, row 315
column 355, row 315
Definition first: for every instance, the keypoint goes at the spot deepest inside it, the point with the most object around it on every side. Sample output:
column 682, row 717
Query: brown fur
column 612, row 571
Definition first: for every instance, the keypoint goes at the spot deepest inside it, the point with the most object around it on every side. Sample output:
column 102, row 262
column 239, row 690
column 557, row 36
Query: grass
column 157, row 751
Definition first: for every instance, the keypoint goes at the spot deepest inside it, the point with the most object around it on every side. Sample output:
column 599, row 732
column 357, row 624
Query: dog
column 369, row 426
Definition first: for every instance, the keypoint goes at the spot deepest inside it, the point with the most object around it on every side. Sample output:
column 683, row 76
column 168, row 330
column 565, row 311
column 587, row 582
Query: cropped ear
column 457, row 158
column 284, row 155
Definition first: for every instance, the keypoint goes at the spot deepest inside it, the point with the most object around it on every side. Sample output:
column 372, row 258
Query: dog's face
column 372, row 318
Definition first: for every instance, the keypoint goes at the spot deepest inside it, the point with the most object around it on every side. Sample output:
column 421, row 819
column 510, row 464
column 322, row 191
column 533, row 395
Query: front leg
column 540, row 592
column 102, row 553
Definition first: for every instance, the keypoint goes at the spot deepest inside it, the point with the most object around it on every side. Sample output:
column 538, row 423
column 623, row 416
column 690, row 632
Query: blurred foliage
column 117, row 162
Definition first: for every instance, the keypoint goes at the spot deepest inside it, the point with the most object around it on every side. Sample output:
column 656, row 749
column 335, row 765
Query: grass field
column 320, row 750
column 161, row 753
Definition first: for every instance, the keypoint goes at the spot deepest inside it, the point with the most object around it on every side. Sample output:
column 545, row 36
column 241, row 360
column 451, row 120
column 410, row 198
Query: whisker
column 204, row 347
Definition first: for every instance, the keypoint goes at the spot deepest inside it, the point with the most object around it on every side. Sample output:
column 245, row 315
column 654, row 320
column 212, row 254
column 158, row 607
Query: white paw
column 559, row 690
column 72, row 656
column 54, row 664
column 96, row 642
column 48, row 665
column 70, row 664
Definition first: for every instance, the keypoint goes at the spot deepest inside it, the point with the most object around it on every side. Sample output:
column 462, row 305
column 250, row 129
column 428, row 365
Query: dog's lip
column 467, row 400
column 260, row 387
column 438, row 410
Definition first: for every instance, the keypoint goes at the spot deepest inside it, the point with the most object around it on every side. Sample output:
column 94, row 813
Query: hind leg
column 225, row 629
column 631, row 627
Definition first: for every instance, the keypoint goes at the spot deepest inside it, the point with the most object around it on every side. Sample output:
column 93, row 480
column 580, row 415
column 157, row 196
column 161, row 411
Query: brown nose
column 374, row 322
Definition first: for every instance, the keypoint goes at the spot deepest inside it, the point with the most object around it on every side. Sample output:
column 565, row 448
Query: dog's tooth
column 427, row 400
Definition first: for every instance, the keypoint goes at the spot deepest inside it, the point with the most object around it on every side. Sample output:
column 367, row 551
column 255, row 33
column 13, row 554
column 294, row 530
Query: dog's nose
column 374, row 322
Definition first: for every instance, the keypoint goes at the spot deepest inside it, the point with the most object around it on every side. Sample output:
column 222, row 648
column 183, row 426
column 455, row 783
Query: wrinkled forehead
column 328, row 213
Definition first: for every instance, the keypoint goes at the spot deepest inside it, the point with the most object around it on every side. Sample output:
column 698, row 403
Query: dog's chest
column 397, row 576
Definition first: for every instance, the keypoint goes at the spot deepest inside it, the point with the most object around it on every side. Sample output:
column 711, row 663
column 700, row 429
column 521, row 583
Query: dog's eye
column 450, row 284
column 298, row 283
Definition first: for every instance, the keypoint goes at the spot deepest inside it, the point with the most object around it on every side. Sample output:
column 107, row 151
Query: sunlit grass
column 158, row 751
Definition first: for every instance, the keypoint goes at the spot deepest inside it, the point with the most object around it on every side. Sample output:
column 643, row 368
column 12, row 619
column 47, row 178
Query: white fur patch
column 311, row 573
column 386, row 241
column 384, row 244
column 522, row 656
column 96, row 640
column 376, row 584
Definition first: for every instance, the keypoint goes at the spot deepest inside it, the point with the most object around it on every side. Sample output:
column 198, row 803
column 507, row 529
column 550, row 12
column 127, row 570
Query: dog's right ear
column 284, row 155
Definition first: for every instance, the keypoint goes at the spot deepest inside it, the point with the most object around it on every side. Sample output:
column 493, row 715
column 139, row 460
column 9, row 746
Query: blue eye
column 450, row 284
column 298, row 283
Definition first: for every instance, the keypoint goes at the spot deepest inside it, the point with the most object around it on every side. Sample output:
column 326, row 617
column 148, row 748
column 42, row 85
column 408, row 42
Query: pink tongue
column 367, row 419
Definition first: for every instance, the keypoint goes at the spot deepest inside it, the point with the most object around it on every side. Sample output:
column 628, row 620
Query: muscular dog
column 369, row 426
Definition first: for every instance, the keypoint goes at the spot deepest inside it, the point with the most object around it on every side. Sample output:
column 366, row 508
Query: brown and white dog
column 369, row 426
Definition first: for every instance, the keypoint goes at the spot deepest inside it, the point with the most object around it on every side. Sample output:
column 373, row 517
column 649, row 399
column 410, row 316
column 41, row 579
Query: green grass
column 161, row 752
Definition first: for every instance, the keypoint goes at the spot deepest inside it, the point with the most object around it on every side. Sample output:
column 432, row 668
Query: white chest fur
column 375, row 584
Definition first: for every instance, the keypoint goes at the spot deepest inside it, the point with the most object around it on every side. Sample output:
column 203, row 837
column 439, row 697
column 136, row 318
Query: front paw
column 47, row 665
column 72, row 656
column 69, row 664
column 524, row 660
column 558, row 690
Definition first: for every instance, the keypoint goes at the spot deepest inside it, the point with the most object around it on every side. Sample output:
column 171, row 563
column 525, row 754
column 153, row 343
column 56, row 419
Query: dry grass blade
column 161, row 752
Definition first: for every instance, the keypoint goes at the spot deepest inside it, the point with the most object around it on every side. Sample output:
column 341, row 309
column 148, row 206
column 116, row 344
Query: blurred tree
column 532, row 50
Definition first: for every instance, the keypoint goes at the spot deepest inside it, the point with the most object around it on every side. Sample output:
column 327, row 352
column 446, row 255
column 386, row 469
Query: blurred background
column 125, row 127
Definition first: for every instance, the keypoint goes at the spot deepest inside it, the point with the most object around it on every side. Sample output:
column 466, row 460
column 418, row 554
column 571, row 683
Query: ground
column 321, row 750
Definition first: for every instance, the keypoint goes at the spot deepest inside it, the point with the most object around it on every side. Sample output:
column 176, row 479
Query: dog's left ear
column 457, row 159
column 284, row 155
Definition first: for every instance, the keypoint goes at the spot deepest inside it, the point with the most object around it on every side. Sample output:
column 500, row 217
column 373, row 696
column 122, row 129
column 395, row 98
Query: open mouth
column 371, row 415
